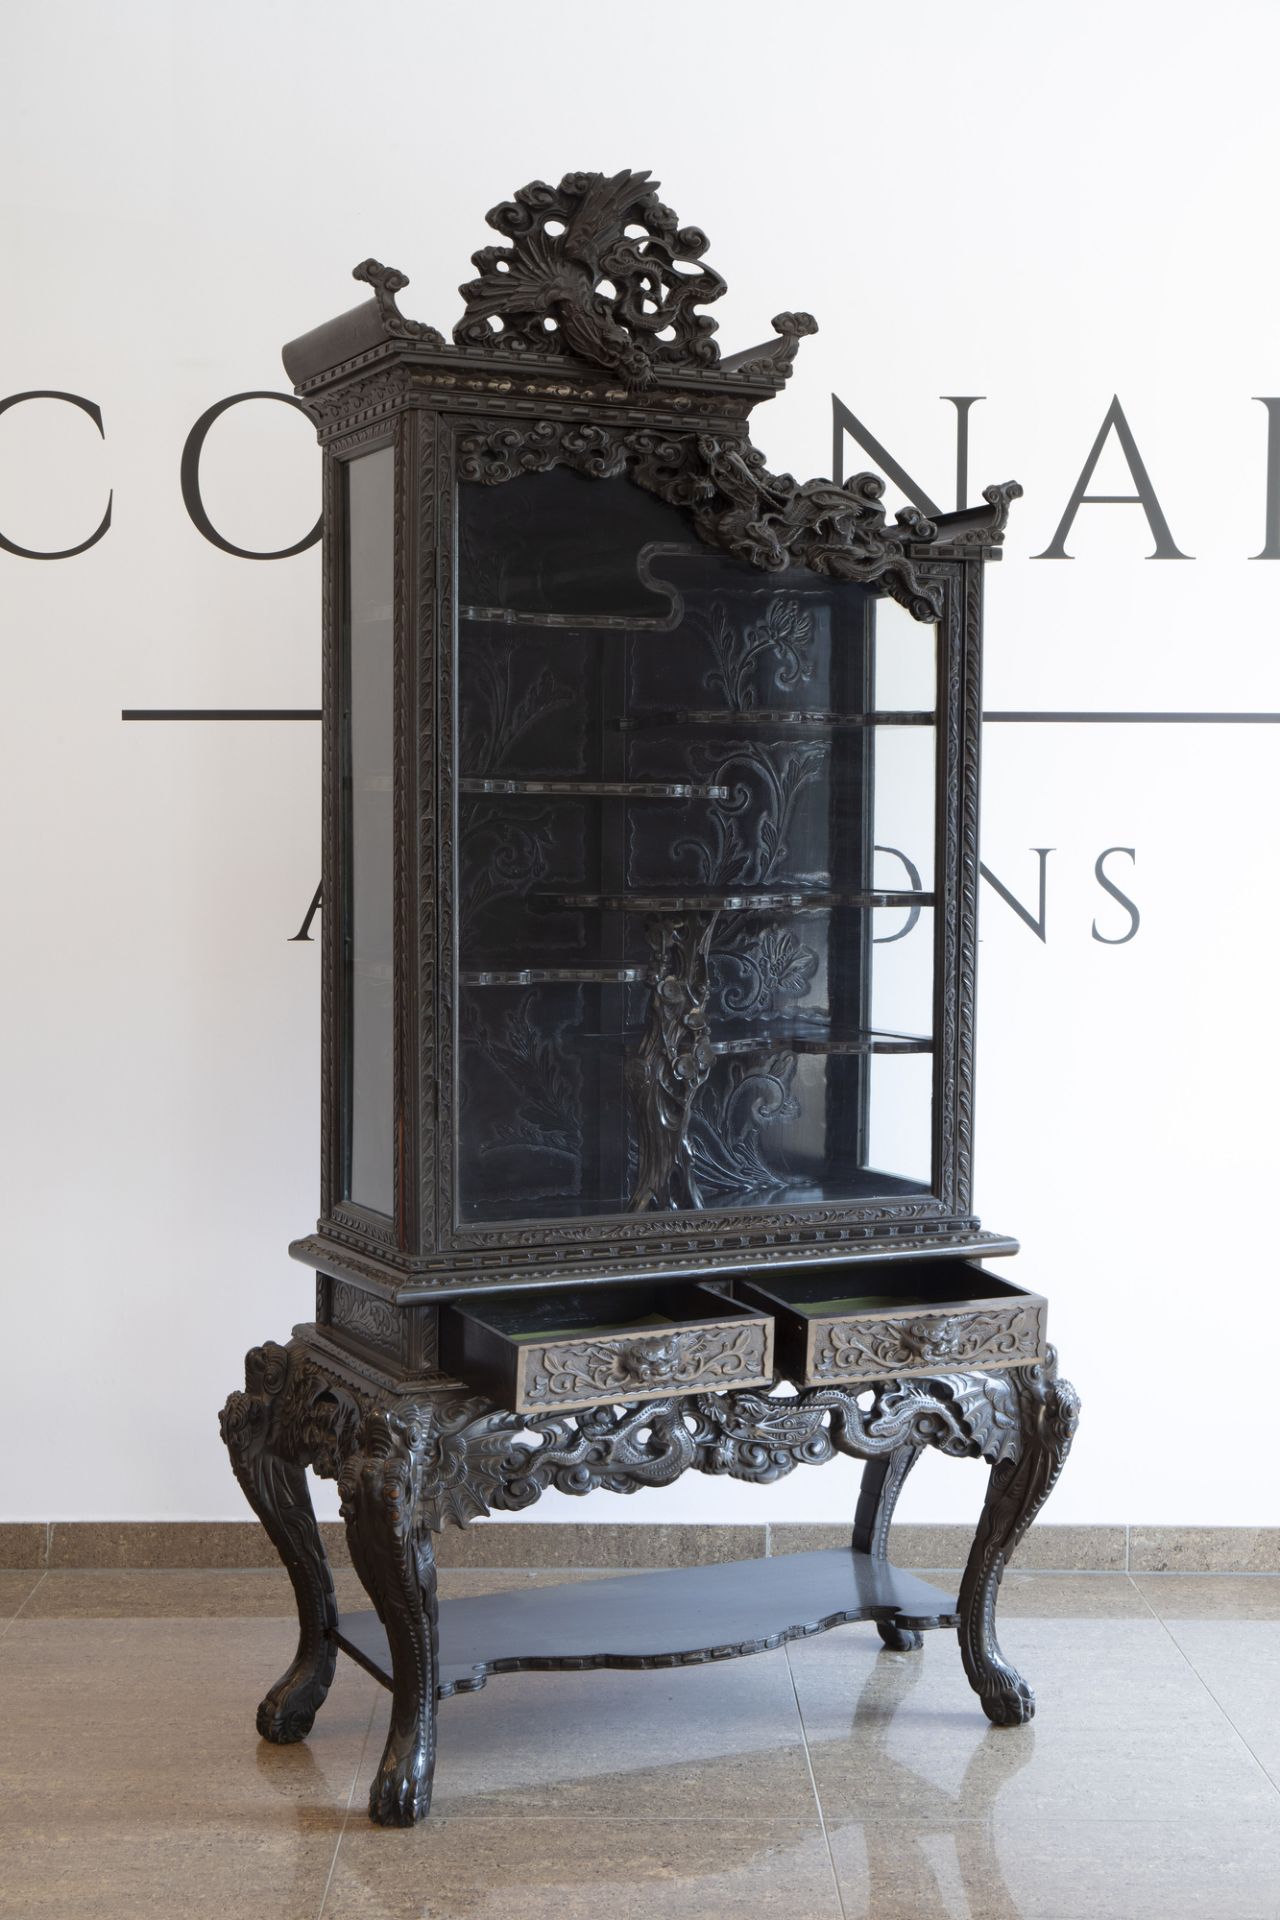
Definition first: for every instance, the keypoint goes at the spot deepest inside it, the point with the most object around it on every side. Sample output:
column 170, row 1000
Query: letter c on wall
column 95, row 414
column 191, row 481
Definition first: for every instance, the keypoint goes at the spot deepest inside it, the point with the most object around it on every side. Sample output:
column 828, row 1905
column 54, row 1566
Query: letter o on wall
column 95, row 414
column 191, row 481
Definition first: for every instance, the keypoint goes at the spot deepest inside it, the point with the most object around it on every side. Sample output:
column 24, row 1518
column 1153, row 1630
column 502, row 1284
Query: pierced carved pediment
column 599, row 269
column 598, row 273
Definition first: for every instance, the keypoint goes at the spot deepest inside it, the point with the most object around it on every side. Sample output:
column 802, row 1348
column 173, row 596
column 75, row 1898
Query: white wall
column 1044, row 206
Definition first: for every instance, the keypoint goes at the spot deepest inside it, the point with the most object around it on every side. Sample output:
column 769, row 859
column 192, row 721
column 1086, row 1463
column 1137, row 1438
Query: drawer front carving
column 634, row 1366
column 866, row 1349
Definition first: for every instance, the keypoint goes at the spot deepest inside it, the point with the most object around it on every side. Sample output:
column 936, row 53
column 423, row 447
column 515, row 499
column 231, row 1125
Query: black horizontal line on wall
column 220, row 713
column 1085, row 718
column 1082, row 718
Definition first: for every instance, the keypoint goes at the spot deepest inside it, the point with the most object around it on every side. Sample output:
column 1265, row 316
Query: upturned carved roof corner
column 387, row 282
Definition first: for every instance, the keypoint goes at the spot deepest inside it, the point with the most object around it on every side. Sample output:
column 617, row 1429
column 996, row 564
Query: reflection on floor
column 826, row 1781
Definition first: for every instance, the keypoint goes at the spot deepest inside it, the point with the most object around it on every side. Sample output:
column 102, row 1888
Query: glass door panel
column 690, row 825
column 368, row 773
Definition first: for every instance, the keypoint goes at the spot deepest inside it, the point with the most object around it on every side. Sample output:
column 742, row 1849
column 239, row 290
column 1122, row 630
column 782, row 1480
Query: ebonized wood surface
column 676, row 1617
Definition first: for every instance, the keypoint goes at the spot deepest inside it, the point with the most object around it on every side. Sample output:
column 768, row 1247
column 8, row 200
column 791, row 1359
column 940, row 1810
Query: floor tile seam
column 1205, row 1573
column 1193, row 1669
column 1263, row 1768
column 748, row 1823
column 1150, row 1609
column 813, row 1784
column 18, row 1611
column 346, row 1811
column 731, row 1822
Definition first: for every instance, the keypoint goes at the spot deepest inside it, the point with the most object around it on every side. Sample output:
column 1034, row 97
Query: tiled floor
column 825, row 1780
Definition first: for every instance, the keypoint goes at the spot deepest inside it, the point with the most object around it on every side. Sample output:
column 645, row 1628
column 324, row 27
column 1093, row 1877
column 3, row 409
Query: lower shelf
column 682, row 1616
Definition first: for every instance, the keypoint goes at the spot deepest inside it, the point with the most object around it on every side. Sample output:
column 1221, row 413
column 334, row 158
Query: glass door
column 696, row 822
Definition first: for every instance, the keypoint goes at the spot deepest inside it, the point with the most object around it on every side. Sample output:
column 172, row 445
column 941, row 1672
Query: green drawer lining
column 591, row 1333
column 861, row 1303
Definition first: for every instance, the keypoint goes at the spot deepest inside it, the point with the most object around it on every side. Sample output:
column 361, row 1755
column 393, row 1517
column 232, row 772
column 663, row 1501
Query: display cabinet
column 649, row 894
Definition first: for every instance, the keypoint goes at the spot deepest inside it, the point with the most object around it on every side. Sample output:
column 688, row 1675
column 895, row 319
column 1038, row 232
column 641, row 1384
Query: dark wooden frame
column 604, row 363
column 450, row 414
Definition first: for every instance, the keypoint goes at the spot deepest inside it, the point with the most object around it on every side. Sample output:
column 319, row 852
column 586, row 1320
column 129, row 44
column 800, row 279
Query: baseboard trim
column 603, row 1544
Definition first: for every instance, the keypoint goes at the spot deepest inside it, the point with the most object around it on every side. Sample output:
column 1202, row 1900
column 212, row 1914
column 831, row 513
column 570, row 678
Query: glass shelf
column 557, row 977
column 748, row 900
column 771, row 719
column 745, row 1043
column 816, row 1041
column 605, row 789
column 844, row 1182
column 585, row 622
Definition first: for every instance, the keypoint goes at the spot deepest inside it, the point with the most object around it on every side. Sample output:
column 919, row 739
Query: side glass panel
column 696, row 823
column 368, row 684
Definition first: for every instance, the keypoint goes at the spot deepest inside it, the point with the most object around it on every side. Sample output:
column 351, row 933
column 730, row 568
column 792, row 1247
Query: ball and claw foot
column 401, row 1792
column 899, row 1639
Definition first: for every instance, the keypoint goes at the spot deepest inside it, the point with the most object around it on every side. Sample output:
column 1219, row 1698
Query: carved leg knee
column 276, row 1488
column 1020, row 1484
column 381, row 1489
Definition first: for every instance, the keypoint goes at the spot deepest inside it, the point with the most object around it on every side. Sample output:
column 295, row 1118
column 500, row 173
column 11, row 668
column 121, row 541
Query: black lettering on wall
column 962, row 403
column 1135, row 918
column 191, row 481
column 916, row 884
column 95, row 414
column 843, row 421
column 1271, row 542
column 304, row 931
column 1037, row 921
column 1145, row 497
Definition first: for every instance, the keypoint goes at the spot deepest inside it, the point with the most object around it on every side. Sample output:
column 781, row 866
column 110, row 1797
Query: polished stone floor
column 823, row 1781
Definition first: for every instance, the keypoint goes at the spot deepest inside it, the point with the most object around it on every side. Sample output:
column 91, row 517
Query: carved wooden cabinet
column 649, row 895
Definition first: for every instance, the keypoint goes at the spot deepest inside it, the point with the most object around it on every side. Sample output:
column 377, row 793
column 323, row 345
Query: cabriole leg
column 882, row 1481
column 1021, row 1482
column 380, row 1487
column 276, row 1488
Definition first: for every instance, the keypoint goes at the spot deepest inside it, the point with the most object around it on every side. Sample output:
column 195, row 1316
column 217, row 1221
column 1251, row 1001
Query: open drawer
column 890, row 1319
column 605, row 1346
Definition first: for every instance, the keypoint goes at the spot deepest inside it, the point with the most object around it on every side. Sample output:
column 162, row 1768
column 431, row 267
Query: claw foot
column 289, row 1710
column 1009, row 1702
column 899, row 1639
column 401, row 1792
column 284, row 1722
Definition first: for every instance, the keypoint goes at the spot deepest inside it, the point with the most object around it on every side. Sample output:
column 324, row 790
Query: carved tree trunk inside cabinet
column 649, row 934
